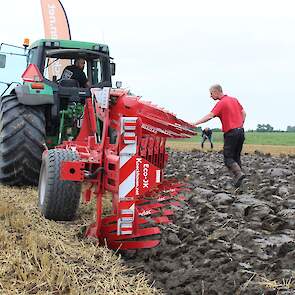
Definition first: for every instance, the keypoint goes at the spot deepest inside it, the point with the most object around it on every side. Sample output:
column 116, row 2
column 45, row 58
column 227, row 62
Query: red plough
column 121, row 149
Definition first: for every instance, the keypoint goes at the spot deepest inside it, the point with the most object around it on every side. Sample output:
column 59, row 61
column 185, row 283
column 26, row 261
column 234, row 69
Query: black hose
column 95, row 173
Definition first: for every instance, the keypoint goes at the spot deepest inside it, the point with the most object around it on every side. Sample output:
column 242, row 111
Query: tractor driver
column 76, row 72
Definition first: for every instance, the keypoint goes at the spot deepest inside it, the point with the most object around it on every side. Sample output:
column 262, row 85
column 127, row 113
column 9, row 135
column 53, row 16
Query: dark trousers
column 233, row 144
column 205, row 137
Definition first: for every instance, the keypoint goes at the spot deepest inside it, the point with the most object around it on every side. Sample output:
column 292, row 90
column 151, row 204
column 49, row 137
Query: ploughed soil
column 227, row 241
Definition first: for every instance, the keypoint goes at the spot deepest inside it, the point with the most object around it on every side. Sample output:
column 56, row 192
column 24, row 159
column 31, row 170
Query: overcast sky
column 171, row 52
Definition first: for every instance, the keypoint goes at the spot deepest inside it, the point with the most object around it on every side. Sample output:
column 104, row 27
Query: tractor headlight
column 104, row 49
column 96, row 47
column 52, row 43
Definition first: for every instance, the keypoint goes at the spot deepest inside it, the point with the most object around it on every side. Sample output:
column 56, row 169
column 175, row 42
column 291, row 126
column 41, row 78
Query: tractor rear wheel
column 22, row 138
column 58, row 199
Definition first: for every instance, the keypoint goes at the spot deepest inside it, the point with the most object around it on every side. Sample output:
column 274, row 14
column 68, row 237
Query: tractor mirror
column 113, row 68
column 2, row 60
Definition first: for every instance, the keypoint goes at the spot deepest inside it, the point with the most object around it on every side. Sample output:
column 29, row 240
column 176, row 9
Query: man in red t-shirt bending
column 232, row 117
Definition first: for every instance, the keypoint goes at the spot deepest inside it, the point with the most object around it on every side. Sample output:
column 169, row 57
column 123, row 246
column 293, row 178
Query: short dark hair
column 79, row 58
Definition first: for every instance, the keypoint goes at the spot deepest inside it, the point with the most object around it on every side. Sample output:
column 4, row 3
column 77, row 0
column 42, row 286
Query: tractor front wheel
column 58, row 199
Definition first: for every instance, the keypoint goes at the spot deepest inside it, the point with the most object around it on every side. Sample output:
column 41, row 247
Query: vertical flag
column 56, row 26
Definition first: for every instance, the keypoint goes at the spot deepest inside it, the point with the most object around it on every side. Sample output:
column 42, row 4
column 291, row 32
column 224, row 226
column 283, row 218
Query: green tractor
column 46, row 109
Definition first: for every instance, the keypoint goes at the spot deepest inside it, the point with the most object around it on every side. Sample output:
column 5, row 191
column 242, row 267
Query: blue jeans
column 205, row 137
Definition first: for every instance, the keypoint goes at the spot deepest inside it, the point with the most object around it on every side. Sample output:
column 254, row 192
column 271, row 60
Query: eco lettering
column 145, row 174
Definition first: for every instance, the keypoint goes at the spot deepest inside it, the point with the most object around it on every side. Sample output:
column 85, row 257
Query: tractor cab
column 53, row 56
column 45, row 82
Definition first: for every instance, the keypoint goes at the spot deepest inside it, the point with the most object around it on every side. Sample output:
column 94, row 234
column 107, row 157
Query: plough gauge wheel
column 58, row 199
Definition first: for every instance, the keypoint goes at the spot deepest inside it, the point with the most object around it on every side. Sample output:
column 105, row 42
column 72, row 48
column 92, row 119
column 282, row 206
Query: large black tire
column 58, row 199
column 22, row 138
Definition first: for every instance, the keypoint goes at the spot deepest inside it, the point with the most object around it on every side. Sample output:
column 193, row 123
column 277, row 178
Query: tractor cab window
column 14, row 68
column 32, row 57
column 96, row 71
column 54, row 67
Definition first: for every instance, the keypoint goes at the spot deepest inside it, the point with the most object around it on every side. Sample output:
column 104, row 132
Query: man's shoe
column 239, row 176
column 239, row 181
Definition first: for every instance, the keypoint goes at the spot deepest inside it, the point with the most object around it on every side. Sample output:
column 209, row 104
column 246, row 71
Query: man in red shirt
column 232, row 117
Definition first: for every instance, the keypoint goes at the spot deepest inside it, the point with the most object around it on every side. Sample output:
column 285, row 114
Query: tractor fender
column 27, row 97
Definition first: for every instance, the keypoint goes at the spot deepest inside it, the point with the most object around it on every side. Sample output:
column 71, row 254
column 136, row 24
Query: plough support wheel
column 58, row 199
